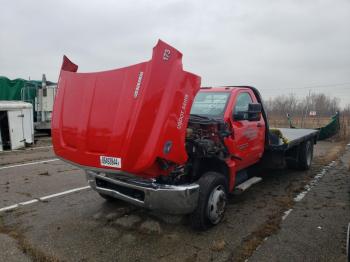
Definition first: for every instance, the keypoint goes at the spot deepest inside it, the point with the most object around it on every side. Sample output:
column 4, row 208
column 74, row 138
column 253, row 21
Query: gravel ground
column 83, row 227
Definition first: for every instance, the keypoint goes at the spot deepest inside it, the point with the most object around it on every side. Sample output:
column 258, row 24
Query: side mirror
column 253, row 113
column 254, row 110
column 241, row 115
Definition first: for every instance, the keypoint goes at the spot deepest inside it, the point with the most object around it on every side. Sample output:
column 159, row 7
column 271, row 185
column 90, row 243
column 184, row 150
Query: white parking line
column 64, row 193
column 286, row 213
column 313, row 182
column 308, row 187
column 32, row 201
column 301, row 195
column 29, row 163
column 38, row 147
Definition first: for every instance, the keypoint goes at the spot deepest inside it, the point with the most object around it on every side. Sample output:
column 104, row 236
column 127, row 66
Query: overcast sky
column 278, row 46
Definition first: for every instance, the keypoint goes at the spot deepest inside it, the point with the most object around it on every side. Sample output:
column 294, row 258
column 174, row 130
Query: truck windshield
column 210, row 103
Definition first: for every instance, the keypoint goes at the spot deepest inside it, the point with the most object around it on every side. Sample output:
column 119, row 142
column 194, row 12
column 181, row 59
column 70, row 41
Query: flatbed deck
column 294, row 136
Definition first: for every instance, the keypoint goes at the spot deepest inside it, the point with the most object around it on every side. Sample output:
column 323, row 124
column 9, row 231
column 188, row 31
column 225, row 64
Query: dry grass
column 332, row 154
column 251, row 242
column 308, row 122
column 271, row 225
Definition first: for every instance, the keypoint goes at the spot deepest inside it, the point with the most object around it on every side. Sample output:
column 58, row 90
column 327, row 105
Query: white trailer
column 16, row 125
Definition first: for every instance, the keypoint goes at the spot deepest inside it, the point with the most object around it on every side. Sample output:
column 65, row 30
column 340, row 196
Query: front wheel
column 212, row 200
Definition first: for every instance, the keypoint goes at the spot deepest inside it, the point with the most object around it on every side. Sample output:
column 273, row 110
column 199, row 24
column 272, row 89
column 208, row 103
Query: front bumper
column 175, row 199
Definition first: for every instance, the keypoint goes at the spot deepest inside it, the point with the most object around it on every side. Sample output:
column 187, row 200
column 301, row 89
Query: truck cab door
column 247, row 137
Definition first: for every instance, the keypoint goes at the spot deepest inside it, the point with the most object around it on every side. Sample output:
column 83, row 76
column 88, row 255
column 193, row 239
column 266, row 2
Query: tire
column 292, row 164
column 213, row 188
column 305, row 155
column 108, row 198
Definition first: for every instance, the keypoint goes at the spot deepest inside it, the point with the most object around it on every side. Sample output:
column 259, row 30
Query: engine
column 205, row 138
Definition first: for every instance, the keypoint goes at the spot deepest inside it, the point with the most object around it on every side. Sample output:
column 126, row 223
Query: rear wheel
column 305, row 155
column 212, row 200
column 302, row 158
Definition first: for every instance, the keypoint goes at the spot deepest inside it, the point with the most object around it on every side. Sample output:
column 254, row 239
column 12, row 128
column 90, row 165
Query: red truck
column 149, row 135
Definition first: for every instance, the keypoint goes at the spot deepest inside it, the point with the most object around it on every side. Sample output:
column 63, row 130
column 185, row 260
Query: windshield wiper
column 199, row 116
column 202, row 119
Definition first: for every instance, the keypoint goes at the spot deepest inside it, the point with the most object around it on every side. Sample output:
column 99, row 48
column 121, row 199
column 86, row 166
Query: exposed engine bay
column 204, row 141
column 205, row 137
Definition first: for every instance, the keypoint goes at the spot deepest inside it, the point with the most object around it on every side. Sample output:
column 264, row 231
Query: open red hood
column 124, row 119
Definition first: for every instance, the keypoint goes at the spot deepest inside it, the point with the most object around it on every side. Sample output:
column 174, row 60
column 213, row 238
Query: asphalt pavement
column 81, row 226
column 315, row 229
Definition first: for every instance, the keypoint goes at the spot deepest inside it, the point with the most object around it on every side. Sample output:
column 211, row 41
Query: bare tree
column 324, row 105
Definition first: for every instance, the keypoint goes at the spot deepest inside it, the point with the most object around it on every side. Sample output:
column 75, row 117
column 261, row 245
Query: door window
column 242, row 103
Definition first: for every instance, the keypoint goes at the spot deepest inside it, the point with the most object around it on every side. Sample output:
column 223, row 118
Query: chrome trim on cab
column 175, row 199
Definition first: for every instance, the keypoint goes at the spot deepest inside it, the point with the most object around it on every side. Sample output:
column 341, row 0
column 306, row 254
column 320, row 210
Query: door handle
column 259, row 125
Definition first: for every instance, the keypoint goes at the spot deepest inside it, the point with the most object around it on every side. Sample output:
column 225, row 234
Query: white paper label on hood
column 182, row 113
column 138, row 84
column 111, row 161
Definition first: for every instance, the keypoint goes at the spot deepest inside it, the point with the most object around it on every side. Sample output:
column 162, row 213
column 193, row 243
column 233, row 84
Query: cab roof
column 221, row 88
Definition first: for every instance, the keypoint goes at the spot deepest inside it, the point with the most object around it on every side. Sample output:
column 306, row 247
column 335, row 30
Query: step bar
column 247, row 184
